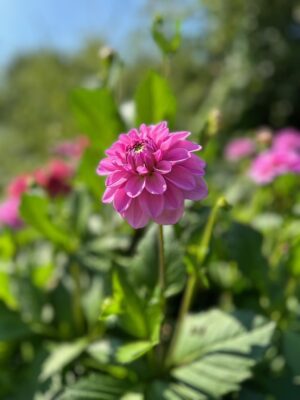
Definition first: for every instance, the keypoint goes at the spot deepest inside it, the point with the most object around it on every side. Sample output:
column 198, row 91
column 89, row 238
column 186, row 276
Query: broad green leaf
column 11, row 325
column 132, row 351
column 154, row 100
column 166, row 45
column 34, row 210
column 215, row 351
column 291, row 346
column 245, row 247
column 60, row 356
column 97, row 387
column 97, row 116
column 132, row 312
column 6, row 294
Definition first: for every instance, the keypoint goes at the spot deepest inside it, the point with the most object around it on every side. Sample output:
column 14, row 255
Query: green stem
column 193, row 276
column 162, row 269
column 184, row 308
column 77, row 307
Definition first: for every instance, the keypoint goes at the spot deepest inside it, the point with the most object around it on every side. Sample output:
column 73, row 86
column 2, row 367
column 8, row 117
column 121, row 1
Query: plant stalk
column 162, row 265
column 77, row 307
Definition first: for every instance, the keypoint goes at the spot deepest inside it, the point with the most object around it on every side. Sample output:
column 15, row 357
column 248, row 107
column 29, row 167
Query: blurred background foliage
column 240, row 56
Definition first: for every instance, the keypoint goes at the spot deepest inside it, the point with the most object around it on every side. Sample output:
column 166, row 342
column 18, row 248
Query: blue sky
column 64, row 24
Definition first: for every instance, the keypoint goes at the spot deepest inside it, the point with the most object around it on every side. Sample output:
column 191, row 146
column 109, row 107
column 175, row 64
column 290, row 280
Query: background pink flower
column 287, row 139
column 55, row 177
column 239, row 148
column 72, row 149
column 150, row 172
column 9, row 213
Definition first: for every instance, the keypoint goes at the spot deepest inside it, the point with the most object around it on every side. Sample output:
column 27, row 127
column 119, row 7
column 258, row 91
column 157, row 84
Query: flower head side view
column 150, row 173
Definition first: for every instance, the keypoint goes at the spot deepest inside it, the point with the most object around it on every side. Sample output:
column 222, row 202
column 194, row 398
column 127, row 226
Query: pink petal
column 195, row 164
column 135, row 216
column 200, row 191
column 163, row 167
column 151, row 204
column 105, row 167
column 116, row 178
column 189, row 146
column 155, row 183
column 135, row 185
column 109, row 193
column 181, row 177
column 173, row 197
column 177, row 155
column 121, row 200
column 169, row 217
column 173, row 139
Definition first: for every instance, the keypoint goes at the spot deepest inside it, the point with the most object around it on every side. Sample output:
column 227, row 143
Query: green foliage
column 166, row 45
column 155, row 101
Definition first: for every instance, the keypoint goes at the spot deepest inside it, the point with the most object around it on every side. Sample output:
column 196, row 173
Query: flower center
column 138, row 147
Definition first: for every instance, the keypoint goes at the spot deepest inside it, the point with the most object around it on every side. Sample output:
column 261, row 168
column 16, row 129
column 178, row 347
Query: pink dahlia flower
column 19, row 185
column 150, row 172
column 72, row 149
column 9, row 213
column 55, row 177
column 270, row 164
column 287, row 139
column 239, row 148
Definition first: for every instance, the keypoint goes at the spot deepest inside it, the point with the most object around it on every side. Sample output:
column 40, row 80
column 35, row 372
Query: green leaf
column 166, row 45
column 132, row 351
column 97, row 386
column 215, row 352
column 60, row 356
column 34, row 210
column 97, row 116
column 154, row 100
column 131, row 310
column 11, row 325
column 291, row 346
column 245, row 247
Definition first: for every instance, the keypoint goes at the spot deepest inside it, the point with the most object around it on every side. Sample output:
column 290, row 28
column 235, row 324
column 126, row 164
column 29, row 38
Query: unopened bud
column 264, row 136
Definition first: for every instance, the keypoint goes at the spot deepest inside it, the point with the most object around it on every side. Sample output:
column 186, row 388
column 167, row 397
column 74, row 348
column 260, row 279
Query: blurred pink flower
column 287, row 139
column 272, row 163
column 9, row 213
column 239, row 148
column 55, row 177
column 19, row 185
column 150, row 172
column 72, row 149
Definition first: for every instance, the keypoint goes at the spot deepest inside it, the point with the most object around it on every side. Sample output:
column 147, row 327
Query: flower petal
column 109, row 193
column 135, row 215
column 163, row 167
column 181, row 177
column 176, row 155
column 121, row 200
column 200, row 191
column 105, row 167
column 116, row 178
column 169, row 217
column 155, row 183
column 135, row 185
column 195, row 164
column 173, row 197
column 151, row 204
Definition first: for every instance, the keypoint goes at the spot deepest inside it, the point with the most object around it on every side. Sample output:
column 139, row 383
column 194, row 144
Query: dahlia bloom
column 239, row 148
column 150, row 172
column 55, row 178
column 72, row 149
column 19, row 185
column 287, row 139
column 9, row 213
column 270, row 164
column 282, row 158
